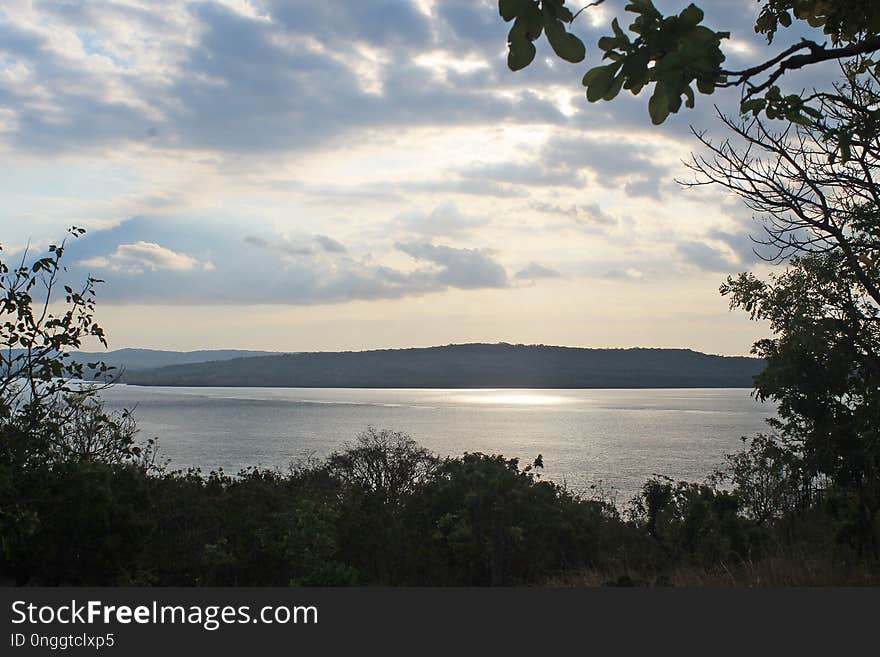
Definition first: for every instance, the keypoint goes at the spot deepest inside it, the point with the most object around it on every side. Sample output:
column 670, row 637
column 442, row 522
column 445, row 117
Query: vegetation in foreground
column 385, row 511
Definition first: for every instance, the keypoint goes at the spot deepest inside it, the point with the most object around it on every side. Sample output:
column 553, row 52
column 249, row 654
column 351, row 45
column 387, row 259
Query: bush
column 483, row 520
column 385, row 463
column 693, row 523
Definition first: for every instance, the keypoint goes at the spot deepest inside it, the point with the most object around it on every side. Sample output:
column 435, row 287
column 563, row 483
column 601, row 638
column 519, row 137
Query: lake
column 616, row 437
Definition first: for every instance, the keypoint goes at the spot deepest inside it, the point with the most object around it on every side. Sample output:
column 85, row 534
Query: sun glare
column 510, row 397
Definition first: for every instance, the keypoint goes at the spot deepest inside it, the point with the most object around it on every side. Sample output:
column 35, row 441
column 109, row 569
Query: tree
column 822, row 369
column 768, row 478
column 819, row 213
column 68, row 467
column 677, row 53
column 47, row 412
column 690, row 521
column 383, row 463
column 482, row 519
column 376, row 475
column 812, row 180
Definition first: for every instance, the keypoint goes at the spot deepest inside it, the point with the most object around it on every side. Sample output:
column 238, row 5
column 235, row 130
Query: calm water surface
column 617, row 437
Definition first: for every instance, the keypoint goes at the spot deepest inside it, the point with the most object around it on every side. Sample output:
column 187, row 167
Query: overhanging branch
column 789, row 61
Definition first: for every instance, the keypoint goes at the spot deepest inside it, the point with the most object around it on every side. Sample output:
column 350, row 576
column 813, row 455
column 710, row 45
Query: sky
column 298, row 176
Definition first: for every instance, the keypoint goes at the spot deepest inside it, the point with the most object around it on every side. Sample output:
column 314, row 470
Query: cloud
column 543, row 173
column 704, row 256
column 724, row 251
column 297, row 247
column 329, row 244
column 391, row 22
column 637, row 169
column 747, row 250
column 469, row 186
column 555, row 209
column 230, row 117
column 143, row 256
column 534, row 271
column 590, row 216
column 288, row 77
column 627, row 274
column 461, row 268
column 291, row 75
column 223, row 267
column 647, row 187
column 280, row 245
column 444, row 220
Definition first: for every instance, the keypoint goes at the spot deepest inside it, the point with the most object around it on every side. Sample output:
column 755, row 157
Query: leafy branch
column 678, row 53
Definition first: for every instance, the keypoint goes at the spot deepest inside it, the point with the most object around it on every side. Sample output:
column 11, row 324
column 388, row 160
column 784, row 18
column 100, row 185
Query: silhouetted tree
column 382, row 462
column 47, row 411
column 50, row 420
column 819, row 210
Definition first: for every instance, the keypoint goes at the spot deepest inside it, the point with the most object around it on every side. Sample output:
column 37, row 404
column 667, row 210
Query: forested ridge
column 468, row 366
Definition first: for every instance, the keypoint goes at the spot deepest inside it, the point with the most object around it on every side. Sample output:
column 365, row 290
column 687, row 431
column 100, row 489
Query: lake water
column 617, row 437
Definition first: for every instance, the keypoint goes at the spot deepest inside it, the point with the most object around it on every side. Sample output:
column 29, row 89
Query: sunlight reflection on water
column 509, row 397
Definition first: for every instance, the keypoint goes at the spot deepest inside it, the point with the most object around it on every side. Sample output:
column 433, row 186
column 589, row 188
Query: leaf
column 691, row 101
column 658, row 106
column 754, row 105
column 598, row 81
column 565, row 14
column 564, row 44
column 614, row 89
column 691, row 16
column 530, row 23
column 558, row 9
column 509, row 9
column 606, row 43
column 521, row 53
column 645, row 7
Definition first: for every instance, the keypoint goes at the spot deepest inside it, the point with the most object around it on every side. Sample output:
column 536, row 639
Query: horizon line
column 434, row 346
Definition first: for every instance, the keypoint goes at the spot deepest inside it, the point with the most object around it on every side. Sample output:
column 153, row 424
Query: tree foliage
column 675, row 56
column 50, row 419
column 383, row 462
column 820, row 215
column 48, row 410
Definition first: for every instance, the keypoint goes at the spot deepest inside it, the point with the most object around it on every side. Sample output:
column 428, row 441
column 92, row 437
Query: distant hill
column 139, row 359
column 468, row 366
